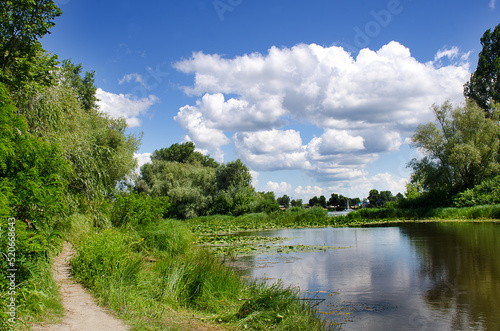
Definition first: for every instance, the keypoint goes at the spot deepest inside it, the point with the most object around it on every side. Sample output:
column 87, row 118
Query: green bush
column 486, row 193
column 138, row 209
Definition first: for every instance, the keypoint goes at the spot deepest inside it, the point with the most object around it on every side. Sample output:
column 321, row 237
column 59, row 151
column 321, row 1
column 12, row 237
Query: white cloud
column 387, row 182
column 339, row 141
column 198, row 129
column 255, row 178
column 137, row 78
column 450, row 53
column 142, row 159
column 308, row 192
column 492, row 4
column 125, row 105
column 279, row 189
column 363, row 106
column 272, row 149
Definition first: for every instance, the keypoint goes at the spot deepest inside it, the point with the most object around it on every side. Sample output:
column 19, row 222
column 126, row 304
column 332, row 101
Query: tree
column 484, row 84
column 374, row 198
column 334, row 200
column 284, row 201
column 314, row 201
column 266, row 202
column 320, row 202
column 23, row 23
column 460, row 149
column 296, row 203
column 184, row 153
column 196, row 184
column 83, row 86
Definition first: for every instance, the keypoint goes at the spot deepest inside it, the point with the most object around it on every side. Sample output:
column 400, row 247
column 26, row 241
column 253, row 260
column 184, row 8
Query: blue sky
column 314, row 96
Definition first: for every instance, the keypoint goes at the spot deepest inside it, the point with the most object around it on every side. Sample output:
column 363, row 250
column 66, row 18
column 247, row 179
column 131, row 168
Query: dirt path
column 80, row 310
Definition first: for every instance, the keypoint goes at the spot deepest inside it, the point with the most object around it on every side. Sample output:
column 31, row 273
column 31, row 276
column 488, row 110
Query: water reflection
column 462, row 263
column 413, row 276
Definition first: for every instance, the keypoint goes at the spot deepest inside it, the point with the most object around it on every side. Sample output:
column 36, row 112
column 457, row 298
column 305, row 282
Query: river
column 413, row 276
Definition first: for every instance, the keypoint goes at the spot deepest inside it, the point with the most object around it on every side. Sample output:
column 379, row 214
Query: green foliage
column 148, row 271
column 486, row 193
column 460, row 151
column 138, row 209
column 484, row 84
column 83, row 86
column 317, row 202
column 284, row 201
column 97, row 148
column 33, row 178
column 276, row 307
column 105, row 257
column 23, row 23
column 265, row 202
column 196, row 186
column 291, row 218
column 170, row 236
column 183, row 153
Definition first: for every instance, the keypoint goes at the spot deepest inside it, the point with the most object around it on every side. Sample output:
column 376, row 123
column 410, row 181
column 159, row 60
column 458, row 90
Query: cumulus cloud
column 308, row 192
column 255, row 178
column 142, row 158
column 272, row 149
column 279, row 189
column 363, row 105
column 125, row 105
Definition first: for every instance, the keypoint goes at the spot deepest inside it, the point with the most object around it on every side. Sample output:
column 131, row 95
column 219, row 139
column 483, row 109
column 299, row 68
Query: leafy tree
column 284, row 201
column 296, row 203
column 184, row 153
column 354, row 202
column 374, row 198
column 190, row 187
column 460, row 149
column 83, row 86
column 484, row 84
column 314, row 201
column 320, row 202
column 196, row 184
column 334, row 200
column 266, row 202
column 23, row 23
column 386, row 196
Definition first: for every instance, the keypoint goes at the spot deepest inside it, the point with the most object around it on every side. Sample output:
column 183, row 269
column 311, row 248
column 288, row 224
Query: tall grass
column 150, row 272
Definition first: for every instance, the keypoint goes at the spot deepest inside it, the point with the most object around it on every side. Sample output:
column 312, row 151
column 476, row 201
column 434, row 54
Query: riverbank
column 155, row 277
column 317, row 217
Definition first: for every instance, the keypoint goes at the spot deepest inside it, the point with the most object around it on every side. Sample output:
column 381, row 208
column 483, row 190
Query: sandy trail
column 81, row 313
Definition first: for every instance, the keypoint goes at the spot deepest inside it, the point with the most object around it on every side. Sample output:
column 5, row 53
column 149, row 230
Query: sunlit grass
column 149, row 273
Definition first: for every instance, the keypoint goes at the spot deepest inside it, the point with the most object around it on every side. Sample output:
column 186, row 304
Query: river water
column 414, row 276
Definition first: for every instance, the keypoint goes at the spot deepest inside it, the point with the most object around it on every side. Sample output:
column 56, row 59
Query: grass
column 150, row 274
column 36, row 301
column 156, row 276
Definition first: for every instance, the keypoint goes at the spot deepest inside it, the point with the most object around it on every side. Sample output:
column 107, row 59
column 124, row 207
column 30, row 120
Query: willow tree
column 460, row 148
